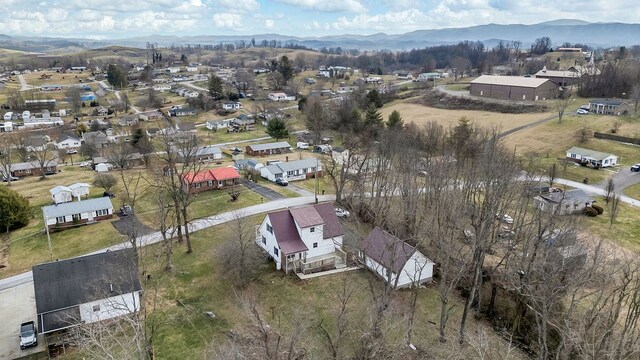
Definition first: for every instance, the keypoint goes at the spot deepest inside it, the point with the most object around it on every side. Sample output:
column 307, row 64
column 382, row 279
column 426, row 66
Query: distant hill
column 560, row 31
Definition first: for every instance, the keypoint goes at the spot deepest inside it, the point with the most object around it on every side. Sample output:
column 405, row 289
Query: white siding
column 417, row 270
column 271, row 242
column 324, row 247
column 62, row 197
column 418, row 267
column 110, row 307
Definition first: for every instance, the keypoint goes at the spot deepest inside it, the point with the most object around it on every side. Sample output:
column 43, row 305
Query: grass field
column 200, row 283
column 549, row 141
column 625, row 230
column 421, row 115
column 633, row 191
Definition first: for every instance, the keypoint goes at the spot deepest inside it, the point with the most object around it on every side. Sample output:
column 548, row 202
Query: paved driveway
column 622, row 179
column 263, row 191
column 17, row 305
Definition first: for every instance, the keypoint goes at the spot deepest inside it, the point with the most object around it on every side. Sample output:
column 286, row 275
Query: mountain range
column 560, row 31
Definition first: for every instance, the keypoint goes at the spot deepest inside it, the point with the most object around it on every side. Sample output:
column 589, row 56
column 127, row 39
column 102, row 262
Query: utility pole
column 315, row 178
column 46, row 227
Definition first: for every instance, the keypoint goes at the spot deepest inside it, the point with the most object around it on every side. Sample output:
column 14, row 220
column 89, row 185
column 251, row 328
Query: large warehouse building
column 513, row 88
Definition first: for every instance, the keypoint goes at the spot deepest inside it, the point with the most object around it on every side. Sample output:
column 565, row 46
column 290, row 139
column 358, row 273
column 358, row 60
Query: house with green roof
column 594, row 158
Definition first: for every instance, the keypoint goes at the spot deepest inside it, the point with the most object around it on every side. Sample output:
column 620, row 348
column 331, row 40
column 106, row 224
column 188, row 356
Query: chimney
column 286, row 158
column 111, row 287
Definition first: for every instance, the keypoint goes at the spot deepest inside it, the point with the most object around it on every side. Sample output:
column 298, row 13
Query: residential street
column 622, row 179
column 197, row 225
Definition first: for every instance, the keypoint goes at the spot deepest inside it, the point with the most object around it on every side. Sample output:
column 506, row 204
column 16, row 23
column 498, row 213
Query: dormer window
column 270, row 229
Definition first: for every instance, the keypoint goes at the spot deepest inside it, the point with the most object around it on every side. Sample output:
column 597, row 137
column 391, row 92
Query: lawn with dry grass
column 199, row 284
column 421, row 115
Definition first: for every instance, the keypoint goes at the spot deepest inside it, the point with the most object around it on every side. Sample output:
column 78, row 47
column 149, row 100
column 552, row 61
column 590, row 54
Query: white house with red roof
column 305, row 239
column 395, row 261
column 211, row 179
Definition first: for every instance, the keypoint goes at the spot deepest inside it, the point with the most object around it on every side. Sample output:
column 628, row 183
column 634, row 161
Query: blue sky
column 127, row 18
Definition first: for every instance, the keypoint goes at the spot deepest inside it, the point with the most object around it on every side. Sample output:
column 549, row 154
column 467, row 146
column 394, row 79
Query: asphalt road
column 622, row 179
column 197, row 225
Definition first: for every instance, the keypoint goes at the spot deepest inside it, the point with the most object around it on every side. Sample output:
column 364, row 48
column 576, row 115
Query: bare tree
column 614, row 209
column 6, row 156
column 316, row 117
column 335, row 339
column 609, row 191
column 561, row 102
column 240, row 254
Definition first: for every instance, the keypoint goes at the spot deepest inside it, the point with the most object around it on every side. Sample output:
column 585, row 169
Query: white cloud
column 328, row 5
column 235, row 6
column 269, row 24
column 227, row 21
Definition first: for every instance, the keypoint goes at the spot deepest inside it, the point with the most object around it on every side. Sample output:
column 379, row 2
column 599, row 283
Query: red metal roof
column 387, row 250
column 286, row 232
column 218, row 174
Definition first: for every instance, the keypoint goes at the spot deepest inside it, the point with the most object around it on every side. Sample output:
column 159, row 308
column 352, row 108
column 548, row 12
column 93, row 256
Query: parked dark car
column 126, row 210
column 635, row 168
column 12, row 178
column 282, row 182
column 109, row 194
column 28, row 335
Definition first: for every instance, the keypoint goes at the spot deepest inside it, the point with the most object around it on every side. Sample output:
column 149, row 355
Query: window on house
column 270, row 229
column 198, row 185
column 210, row 183
column 60, row 219
column 75, row 217
column 312, row 229
column 264, row 240
column 96, row 308
column 315, row 245
column 275, row 251
column 221, row 183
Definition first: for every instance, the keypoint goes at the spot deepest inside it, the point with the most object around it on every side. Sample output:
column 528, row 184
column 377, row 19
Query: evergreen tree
column 373, row 117
column 277, row 129
column 373, row 96
column 15, row 211
column 285, row 67
column 215, row 87
column 395, row 120
column 116, row 76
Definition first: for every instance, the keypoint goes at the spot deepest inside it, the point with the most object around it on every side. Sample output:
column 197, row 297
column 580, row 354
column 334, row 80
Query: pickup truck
column 28, row 335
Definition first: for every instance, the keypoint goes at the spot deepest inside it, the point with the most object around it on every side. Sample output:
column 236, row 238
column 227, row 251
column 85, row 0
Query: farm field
column 421, row 115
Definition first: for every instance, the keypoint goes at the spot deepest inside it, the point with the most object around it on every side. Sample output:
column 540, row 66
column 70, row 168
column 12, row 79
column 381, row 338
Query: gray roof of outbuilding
column 268, row 146
column 67, row 283
column 77, row 207
column 517, row 81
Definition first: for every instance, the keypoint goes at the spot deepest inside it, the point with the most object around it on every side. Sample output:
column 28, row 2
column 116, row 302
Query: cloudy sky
column 126, row 18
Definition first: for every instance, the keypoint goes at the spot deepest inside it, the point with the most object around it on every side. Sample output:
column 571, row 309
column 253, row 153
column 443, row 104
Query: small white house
column 86, row 289
column 234, row 105
column 304, row 239
column 594, row 158
column 563, row 203
column 280, row 96
column 292, row 170
column 373, row 80
column 103, row 167
column 79, row 190
column 61, row 194
column 64, row 215
column 68, row 142
column 395, row 261
column 218, row 125
column 429, row 76
column 162, row 87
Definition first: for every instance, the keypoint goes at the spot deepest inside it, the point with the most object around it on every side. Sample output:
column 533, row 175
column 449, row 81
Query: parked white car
column 505, row 218
column 302, row 145
column 342, row 213
column 582, row 112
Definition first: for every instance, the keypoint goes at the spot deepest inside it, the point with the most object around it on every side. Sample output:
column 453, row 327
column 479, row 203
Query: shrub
column 598, row 208
column 14, row 210
column 589, row 211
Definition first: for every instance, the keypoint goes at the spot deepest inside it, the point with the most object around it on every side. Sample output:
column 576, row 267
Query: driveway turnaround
column 17, row 305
